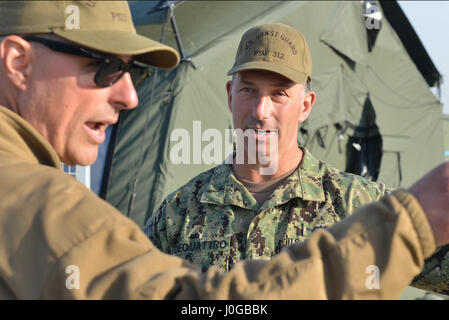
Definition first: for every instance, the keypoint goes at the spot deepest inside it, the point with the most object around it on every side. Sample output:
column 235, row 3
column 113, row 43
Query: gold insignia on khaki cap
column 104, row 26
column 275, row 47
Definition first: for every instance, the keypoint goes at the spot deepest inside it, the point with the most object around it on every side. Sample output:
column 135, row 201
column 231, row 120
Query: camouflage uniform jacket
column 215, row 220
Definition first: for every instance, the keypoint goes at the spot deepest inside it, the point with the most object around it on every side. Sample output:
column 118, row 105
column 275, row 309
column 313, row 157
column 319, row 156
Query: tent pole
column 184, row 55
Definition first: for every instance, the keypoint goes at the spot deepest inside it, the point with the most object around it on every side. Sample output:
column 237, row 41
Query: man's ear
column 16, row 55
column 309, row 101
column 229, row 90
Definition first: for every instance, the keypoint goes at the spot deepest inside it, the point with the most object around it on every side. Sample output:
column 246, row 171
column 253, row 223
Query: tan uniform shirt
column 50, row 224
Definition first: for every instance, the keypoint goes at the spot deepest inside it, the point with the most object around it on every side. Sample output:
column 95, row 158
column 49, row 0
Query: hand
column 432, row 192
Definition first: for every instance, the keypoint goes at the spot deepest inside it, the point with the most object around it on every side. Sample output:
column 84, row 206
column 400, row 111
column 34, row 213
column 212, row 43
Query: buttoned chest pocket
column 205, row 252
column 309, row 218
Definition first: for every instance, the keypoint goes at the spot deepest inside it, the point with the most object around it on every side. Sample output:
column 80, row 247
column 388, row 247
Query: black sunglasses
column 110, row 68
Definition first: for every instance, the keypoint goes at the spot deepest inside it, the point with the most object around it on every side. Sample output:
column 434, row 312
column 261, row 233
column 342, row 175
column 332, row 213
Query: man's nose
column 124, row 95
column 262, row 108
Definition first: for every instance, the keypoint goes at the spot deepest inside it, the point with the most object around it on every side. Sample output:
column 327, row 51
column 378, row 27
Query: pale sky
column 430, row 19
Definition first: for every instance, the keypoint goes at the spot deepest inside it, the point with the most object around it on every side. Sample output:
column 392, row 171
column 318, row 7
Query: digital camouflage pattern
column 215, row 220
column 435, row 275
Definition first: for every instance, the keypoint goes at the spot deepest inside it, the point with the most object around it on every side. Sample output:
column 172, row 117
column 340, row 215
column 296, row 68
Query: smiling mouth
column 264, row 131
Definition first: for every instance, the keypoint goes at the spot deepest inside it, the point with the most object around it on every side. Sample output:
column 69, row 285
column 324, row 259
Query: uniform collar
column 311, row 173
column 19, row 138
column 225, row 189
column 305, row 183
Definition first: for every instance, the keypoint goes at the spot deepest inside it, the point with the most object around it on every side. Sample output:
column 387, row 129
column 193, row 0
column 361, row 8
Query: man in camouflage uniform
column 232, row 212
column 215, row 220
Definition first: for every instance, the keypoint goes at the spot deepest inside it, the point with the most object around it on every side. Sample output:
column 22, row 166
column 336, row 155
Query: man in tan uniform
column 59, row 89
